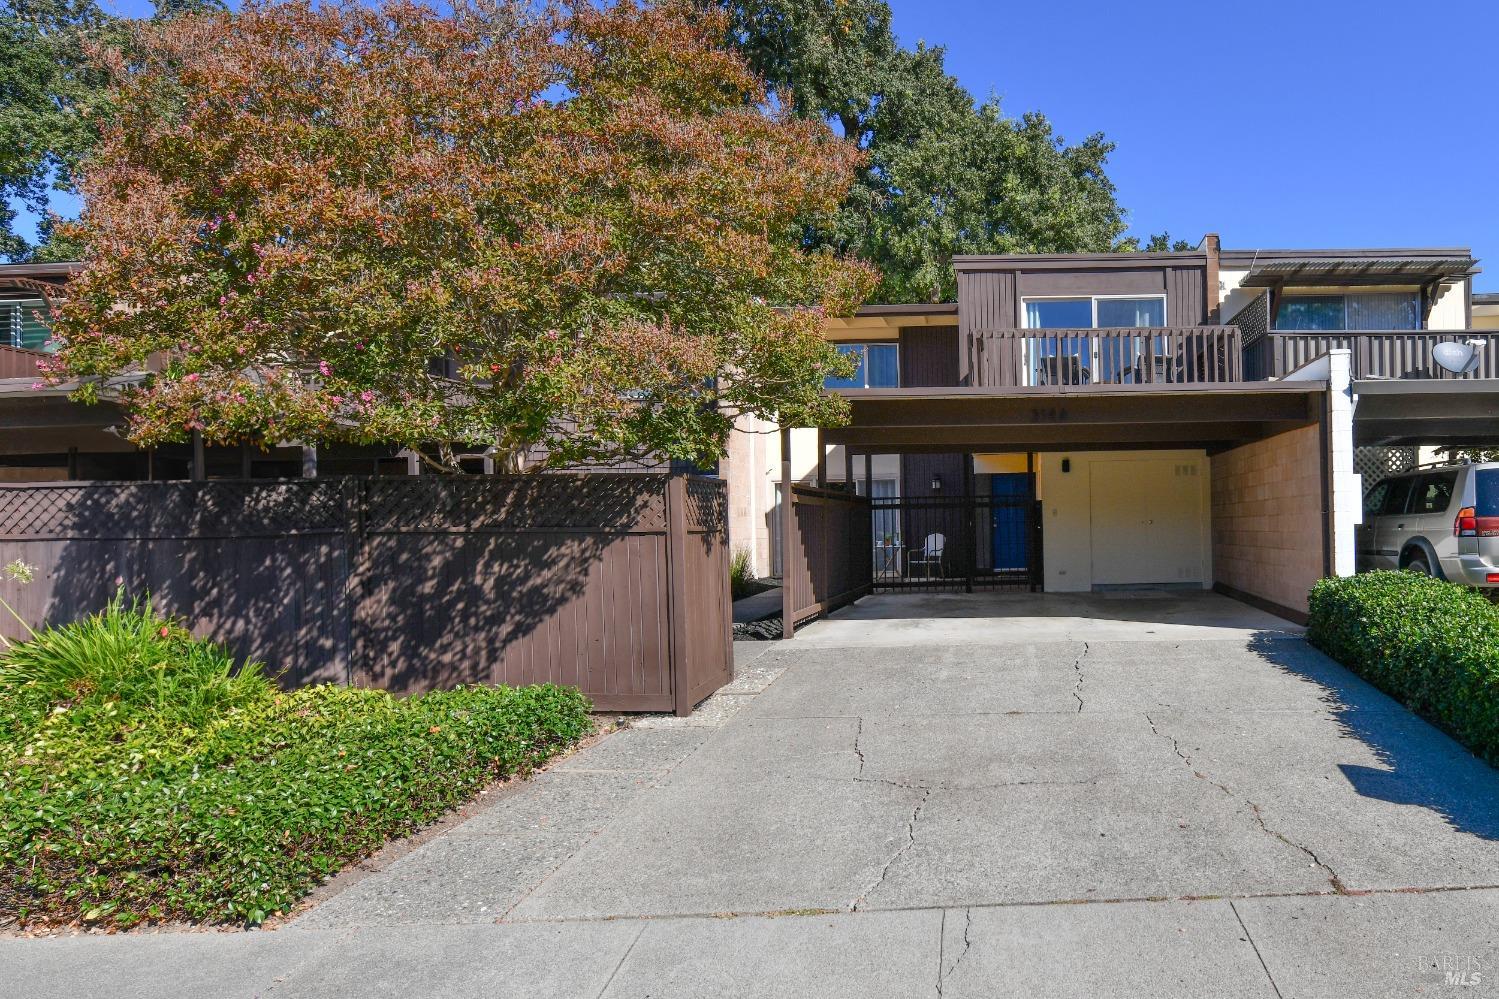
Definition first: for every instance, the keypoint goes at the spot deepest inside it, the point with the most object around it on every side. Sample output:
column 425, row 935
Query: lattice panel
column 707, row 504
column 1375, row 463
column 1253, row 320
column 129, row 510
column 518, row 503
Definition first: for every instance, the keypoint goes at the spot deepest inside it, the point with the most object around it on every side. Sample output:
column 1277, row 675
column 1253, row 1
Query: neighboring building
column 1106, row 421
column 1486, row 311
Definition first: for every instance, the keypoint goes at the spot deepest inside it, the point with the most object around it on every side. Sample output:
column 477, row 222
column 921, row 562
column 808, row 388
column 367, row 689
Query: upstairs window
column 1095, row 313
column 879, row 366
column 1075, row 360
column 1399, row 310
column 24, row 324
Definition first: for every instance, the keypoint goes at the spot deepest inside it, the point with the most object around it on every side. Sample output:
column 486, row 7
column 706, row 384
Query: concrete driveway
column 959, row 796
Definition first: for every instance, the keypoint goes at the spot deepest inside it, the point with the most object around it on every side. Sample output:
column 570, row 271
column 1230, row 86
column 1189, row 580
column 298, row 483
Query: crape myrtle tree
column 588, row 214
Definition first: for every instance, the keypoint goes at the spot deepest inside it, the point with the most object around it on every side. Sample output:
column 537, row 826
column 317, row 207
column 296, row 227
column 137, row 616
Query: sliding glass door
column 1074, row 358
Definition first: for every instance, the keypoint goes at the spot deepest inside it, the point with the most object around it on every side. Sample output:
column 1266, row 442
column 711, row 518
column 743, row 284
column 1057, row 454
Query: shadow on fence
column 616, row 584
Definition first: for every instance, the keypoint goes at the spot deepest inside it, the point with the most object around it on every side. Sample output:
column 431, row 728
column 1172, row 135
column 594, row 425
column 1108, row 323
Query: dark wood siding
column 929, row 357
column 1186, row 296
column 916, row 472
column 990, row 298
column 1082, row 282
column 986, row 301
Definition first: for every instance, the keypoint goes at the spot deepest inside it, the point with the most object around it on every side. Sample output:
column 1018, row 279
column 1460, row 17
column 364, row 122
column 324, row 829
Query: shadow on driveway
column 1426, row 767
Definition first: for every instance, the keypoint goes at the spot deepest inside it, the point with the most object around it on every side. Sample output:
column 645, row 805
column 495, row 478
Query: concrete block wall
column 1267, row 522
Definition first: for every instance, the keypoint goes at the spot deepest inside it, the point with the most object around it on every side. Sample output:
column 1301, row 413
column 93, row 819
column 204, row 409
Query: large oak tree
column 569, row 230
column 942, row 175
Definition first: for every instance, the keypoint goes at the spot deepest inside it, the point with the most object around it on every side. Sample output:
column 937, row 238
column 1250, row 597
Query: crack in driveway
column 910, row 841
column 944, row 971
column 1254, row 809
column 859, row 734
column 1077, row 688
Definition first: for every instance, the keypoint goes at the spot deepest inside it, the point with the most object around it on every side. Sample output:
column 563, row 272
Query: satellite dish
column 1459, row 358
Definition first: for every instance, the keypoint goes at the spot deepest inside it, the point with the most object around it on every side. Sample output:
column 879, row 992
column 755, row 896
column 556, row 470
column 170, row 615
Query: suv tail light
column 1469, row 525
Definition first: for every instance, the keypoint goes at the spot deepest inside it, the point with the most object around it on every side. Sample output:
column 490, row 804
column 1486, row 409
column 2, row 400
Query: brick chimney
column 1211, row 246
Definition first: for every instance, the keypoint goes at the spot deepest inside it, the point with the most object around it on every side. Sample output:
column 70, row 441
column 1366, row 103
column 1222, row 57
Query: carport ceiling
column 1092, row 417
column 1426, row 411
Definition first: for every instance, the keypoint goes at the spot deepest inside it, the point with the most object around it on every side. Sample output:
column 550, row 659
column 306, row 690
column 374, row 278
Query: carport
column 1231, row 486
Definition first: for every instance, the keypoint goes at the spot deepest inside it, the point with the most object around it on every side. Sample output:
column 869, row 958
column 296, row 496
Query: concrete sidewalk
column 1375, row 946
column 1226, row 813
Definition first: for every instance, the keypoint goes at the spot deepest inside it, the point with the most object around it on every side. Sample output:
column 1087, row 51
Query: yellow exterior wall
column 1450, row 312
column 1068, row 501
column 1000, row 464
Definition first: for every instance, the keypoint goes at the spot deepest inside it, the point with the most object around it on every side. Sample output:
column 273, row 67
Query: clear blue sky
column 1310, row 124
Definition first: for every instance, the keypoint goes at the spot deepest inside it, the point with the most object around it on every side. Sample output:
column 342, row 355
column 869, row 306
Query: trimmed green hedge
column 144, row 777
column 1432, row 645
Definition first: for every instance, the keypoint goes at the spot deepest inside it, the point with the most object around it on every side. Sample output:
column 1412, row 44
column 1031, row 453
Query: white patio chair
column 929, row 555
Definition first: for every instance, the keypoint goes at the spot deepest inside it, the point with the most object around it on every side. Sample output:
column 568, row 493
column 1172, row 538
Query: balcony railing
column 17, row 363
column 1376, row 354
column 1145, row 356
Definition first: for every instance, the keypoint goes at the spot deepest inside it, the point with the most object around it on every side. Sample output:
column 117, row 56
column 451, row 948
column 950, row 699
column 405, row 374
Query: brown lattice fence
column 616, row 584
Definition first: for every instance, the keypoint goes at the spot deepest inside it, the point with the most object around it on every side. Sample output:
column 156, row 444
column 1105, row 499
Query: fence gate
column 958, row 543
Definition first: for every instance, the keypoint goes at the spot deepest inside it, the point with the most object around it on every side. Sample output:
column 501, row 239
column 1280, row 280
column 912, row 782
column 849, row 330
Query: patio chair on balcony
column 1155, row 369
column 928, row 556
column 1065, row 370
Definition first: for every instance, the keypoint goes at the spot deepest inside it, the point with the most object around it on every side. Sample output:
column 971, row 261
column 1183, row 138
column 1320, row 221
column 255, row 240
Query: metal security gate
column 958, row 543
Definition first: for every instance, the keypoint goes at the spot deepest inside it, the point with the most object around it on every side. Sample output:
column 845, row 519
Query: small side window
column 1374, row 498
column 1434, row 492
column 1400, row 492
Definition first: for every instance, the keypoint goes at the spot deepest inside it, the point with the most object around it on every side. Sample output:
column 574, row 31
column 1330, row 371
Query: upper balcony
column 1377, row 355
column 1057, row 358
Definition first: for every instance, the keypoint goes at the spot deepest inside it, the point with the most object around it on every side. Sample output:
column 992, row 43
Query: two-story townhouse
column 1080, row 422
column 1073, row 422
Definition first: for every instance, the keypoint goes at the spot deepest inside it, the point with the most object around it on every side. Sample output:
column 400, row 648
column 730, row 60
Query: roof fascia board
column 1079, row 262
column 1245, row 257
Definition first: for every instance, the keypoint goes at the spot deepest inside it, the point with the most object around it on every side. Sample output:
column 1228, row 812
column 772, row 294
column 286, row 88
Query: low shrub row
column 1430, row 644
column 143, row 776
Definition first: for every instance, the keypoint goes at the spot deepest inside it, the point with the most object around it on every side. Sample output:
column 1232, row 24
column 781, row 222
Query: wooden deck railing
column 1377, row 354
column 18, row 363
column 1146, row 356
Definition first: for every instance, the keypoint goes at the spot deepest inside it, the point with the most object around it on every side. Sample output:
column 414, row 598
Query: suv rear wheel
column 1416, row 562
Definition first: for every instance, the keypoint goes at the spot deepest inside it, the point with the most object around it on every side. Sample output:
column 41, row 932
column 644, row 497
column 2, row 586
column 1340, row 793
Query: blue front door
column 1011, row 520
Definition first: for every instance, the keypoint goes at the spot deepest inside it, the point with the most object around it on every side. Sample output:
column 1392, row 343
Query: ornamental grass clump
column 145, row 776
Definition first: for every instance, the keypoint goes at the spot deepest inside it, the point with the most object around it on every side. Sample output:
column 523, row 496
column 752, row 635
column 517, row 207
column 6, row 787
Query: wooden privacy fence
column 827, row 559
column 615, row 584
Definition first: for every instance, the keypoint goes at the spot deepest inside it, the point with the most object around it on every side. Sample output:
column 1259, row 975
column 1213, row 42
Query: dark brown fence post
column 788, row 525
column 676, row 581
column 970, row 528
column 352, row 493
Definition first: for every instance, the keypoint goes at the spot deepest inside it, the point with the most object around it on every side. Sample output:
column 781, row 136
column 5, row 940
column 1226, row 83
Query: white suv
column 1439, row 520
